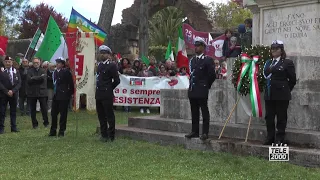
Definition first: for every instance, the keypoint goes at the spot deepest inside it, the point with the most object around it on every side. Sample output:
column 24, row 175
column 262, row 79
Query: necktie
column 55, row 76
column 10, row 76
column 273, row 63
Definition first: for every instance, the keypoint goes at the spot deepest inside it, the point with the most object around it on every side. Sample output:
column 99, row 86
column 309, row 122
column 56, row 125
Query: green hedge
column 159, row 52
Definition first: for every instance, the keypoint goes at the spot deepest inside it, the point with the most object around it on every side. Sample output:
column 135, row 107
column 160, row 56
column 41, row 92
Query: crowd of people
column 33, row 83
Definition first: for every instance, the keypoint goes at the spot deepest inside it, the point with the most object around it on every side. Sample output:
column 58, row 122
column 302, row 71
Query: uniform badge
column 2, row 69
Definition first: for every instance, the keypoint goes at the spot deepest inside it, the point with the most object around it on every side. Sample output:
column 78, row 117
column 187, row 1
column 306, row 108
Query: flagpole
column 31, row 43
column 75, row 89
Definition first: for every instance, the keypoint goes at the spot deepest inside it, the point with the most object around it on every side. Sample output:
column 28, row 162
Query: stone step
column 299, row 156
column 303, row 138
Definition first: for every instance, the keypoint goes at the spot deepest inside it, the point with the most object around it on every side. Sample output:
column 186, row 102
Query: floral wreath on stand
column 247, row 75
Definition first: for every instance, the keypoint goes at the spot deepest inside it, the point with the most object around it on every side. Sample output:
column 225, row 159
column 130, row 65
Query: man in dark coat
column 23, row 92
column 107, row 80
column 10, row 83
column 202, row 76
column 62, row 91
column 37, row 90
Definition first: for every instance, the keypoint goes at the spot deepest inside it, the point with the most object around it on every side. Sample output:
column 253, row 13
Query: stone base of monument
column 171, row 132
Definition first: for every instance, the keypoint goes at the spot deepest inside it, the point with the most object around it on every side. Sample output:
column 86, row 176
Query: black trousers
column 196, row 105
column 276, row 108
column 59, row 107
column 106, row 117
column 13, row 111
column 23, row 99
column 44, row 110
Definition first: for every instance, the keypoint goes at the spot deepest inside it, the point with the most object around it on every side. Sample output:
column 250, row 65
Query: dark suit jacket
column 107, row 80
column 282, row 80
column 6, row 85
column 37, row 83
column 64, row 84
column 201, row 77
column 49, row 79
column 23, row 91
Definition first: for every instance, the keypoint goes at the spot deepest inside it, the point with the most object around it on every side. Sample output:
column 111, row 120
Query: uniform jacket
column 63, row 84
column 37, row 82
column 5, row 83
column 107, row 80
column 202, row 75
column 281, row 79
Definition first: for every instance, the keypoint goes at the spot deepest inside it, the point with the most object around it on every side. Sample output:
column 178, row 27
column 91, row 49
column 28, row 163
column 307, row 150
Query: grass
column 30, row 154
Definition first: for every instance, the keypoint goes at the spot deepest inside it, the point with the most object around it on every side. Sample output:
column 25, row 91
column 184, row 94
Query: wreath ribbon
column 250, row 65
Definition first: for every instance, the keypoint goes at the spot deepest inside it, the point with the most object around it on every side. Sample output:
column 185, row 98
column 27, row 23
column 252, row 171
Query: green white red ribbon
column 250, row 65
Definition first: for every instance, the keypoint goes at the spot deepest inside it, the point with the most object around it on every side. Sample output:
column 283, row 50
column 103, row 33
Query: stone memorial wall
column 297, row 26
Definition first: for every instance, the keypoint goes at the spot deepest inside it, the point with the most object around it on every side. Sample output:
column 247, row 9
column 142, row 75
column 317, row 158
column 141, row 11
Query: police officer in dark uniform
column 107, row 80
column 10, row 83
column 281, row 79
column 202, row 75
column 63, row 88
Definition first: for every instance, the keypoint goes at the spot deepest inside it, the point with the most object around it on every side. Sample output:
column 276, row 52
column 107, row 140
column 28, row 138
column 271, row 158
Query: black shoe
column 1, row 131
column 15, row 130
column 46, row 124
column 52, row 134
column 112, row 139
column 192, row 135
column 268, row 142
column 279, row 141
column 204, row 137
column 103, row 139
column 61, row 134
column 35, row 127
column 22, row 114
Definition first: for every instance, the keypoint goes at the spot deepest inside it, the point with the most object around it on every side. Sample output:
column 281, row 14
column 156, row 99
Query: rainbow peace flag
column 77, row 20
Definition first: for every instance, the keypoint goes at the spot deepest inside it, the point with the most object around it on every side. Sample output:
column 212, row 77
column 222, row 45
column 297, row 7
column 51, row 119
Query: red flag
column 119, row 56
column 71, row 41
column 3, row 43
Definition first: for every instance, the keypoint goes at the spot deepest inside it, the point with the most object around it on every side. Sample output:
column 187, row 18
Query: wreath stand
column 228, row 119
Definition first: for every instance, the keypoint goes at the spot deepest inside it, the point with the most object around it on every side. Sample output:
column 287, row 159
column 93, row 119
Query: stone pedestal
column 295, row 22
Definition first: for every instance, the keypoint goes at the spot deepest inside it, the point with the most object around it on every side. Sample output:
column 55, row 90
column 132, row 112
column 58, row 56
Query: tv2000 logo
column 279, row 152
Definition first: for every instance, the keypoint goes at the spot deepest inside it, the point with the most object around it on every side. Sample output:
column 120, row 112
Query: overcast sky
column 91, row 8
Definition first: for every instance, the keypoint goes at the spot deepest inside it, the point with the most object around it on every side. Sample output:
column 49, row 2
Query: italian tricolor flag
column 53, row 45
column 169, row 53
column 182, row 58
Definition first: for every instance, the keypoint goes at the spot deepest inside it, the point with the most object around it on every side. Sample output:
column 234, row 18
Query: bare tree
column 106, row 15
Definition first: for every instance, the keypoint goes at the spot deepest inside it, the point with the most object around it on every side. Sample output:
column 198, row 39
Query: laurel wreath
column 264, row 54
column 84, row 81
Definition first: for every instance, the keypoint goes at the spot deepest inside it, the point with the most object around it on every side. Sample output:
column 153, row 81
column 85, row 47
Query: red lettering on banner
column 116, row 90
column 145, row 92
column 135, row 100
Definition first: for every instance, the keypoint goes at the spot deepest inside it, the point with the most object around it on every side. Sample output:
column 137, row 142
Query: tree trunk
column 106, row 16
column 143, row 28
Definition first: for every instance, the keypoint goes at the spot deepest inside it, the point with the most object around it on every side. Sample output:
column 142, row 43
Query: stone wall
column 303, row 113
column 193, row 9
column 17, row 46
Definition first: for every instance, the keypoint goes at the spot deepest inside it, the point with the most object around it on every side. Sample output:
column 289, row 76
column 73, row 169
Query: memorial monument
column 297, row 24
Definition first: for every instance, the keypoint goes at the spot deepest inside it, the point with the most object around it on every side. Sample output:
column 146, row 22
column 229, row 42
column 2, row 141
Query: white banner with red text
column 145, row 91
